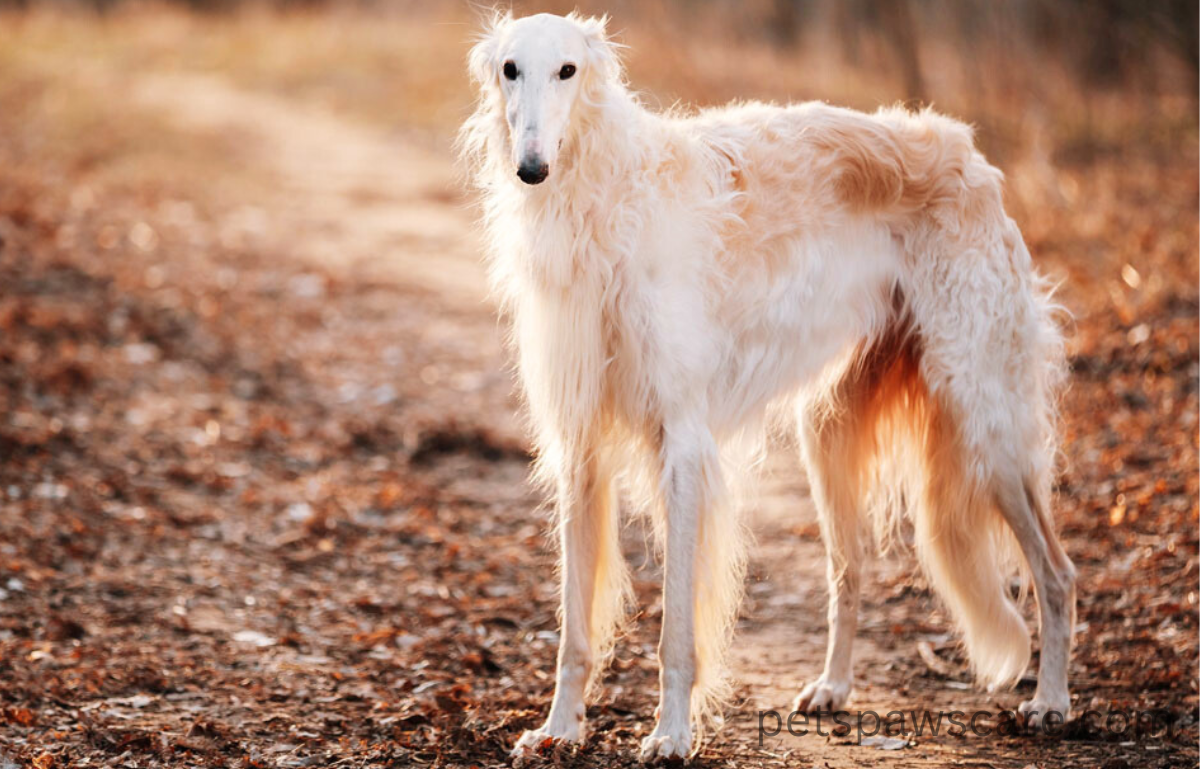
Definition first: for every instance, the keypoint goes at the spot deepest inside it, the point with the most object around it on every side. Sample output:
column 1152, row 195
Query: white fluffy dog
column 670, row 276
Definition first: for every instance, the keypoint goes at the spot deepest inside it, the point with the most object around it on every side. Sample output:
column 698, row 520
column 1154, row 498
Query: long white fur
column 676, row 274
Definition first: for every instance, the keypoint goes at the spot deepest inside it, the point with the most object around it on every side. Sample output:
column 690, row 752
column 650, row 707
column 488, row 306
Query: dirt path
column 347, row 196
column 380, row 211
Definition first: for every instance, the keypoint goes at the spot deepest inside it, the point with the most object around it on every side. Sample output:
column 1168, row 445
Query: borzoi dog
column 669, row 276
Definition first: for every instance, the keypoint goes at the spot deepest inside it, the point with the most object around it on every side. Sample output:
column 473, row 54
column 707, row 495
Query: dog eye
column 510, row 70
column 566, row 72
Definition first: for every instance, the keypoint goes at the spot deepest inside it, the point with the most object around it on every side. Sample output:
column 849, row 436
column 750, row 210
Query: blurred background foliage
column 1095, row 73
column 1152, row 45
column 1105, row 42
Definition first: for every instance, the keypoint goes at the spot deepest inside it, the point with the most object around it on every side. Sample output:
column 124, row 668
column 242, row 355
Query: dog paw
column 1036, row 710
column 666, row 743
column 534, row 741
column 822, row 695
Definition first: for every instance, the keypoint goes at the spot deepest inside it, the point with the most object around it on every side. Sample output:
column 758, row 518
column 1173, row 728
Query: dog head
column 533, row 74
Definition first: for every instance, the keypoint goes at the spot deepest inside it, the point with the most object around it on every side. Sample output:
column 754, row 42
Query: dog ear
column 602, row 52
column 481, row 61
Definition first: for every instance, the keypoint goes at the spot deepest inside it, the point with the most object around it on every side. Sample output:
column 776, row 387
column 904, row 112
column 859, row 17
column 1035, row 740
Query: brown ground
column 262, row 489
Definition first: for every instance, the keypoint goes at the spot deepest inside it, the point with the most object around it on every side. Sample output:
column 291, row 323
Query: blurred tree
column 786, row 20
column 845, row 21
column 901, row 34
column 891, row 20
column 1106, row 40
column 1178, row 22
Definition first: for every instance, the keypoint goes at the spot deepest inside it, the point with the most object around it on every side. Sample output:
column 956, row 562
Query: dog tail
column 975, row 439
column 967, row 552
column 963, row 545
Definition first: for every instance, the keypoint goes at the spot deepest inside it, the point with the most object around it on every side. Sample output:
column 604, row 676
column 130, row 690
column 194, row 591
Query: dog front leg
column 681, row 484
column 588, row 546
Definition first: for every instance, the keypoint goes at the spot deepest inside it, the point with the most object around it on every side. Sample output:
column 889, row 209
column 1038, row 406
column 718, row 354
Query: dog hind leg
column 832, row 453
column 1023, row 508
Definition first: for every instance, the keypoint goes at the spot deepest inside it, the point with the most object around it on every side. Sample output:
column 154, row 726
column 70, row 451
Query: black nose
column 533, row 172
